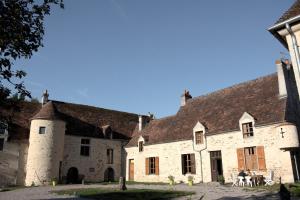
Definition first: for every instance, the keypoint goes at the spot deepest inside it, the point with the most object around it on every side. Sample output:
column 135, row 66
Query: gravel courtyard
column 203, row 192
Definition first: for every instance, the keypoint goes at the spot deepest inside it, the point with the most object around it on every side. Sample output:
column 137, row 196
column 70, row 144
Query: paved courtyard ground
column 203, row 192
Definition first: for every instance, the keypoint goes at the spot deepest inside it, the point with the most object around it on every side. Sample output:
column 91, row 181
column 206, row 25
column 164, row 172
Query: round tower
column 46, row 145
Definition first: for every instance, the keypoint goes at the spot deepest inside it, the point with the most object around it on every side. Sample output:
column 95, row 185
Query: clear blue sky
column 139, row 56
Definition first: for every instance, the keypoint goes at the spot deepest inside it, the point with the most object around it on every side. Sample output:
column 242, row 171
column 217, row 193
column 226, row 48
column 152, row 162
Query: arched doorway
column 109, row 174
column 72, row 175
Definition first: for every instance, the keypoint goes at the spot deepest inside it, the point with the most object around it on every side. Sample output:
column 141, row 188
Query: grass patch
column 11, row 188
column 143, row 194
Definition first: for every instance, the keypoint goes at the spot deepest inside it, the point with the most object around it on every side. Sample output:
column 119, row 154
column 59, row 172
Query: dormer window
column 247, row 129
column 141, row 146
column 199, row 137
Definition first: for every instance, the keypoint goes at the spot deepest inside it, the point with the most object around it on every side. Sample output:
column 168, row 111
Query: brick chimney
column 282, row 67
column 185, row 97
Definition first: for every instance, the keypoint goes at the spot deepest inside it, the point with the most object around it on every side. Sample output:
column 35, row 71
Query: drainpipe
column 295, row 45
column 201, row 155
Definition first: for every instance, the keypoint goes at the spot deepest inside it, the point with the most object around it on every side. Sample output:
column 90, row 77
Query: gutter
column 273, row 29
column 295, row 45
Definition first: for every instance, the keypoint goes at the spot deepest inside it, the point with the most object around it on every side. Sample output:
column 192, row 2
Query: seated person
column 242, row 173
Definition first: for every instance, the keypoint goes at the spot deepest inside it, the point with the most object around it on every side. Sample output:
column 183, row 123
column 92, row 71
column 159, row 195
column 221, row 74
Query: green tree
column 21, row 34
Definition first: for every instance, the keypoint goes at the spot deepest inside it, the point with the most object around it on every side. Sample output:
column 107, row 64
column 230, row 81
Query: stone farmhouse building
column 63, row 141
column 253, row 125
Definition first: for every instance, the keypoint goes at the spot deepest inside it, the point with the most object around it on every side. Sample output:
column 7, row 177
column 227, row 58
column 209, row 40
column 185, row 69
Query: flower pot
column 190, row 183
column 54, row 183
column 171, row 182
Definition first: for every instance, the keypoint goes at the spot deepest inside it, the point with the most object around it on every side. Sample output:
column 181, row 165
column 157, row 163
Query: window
column 85, row 147
column 110, row 156
column 3, row 127
column 199, row 137
column 247, row 129
column 252, row 158
column 141, row 146
column 188, row 163
column 1, row 144
column 42, row 130
column 152, row 166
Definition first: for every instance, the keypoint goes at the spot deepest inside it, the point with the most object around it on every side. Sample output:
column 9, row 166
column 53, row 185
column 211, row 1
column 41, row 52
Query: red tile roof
column 220, row 111
column 293, row 11
column 81, row 120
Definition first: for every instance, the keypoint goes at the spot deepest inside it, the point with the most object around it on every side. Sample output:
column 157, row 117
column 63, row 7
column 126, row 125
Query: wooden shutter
column 193, row 164
column 261, row 157
column 156, row 166
column 147, row 166
column 241, row 158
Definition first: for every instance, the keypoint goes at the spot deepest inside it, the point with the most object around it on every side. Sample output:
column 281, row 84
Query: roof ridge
column 237, row 85
column 90, row 106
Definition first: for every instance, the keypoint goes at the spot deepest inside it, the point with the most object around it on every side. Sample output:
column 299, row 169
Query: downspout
column 201, row 155
column 295, row 45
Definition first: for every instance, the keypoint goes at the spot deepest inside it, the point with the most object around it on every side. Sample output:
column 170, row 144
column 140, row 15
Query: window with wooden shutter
column 261, row 158
column 188, row 163
column 152, row 166
column 241, row 159
column 156, row 165
column 147, row 166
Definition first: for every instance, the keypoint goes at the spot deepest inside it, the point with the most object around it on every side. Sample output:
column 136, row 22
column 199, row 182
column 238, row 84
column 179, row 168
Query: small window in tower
column 42, row 130
column 85, row 147
column 110, row 156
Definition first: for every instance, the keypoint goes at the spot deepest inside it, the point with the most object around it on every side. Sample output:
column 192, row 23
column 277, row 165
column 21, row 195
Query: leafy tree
column 21, row 34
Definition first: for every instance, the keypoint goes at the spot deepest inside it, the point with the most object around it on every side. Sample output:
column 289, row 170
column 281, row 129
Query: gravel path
column 203, row 192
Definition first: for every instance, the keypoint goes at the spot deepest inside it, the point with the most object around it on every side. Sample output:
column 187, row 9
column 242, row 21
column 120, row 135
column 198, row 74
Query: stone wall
column 45, row 151
column 12, row 163
column 277, row 160
column 94, row 165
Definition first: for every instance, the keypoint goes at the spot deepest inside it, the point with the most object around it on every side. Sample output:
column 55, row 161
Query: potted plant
column 54, row 181
column 190, row 180
column 171, row 180
column 221, row 179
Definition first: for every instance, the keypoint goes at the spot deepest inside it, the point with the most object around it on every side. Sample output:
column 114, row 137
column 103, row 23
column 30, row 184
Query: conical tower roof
column 48, row 111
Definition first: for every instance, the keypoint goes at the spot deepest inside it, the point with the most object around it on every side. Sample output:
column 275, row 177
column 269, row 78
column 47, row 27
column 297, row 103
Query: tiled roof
column 220, row 111
column 81, row 120
column 293, row 11
column 48, row 111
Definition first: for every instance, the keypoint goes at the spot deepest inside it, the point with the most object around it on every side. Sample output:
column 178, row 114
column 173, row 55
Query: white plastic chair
column 269, row 179
column 241, row 181
column 235, row 180
column 248, row 181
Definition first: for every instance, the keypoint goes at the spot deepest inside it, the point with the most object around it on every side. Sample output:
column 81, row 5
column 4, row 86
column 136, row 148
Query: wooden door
column 131, row 169
column 216, row 165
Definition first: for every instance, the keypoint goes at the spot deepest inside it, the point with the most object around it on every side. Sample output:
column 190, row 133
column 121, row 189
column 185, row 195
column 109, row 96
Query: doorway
column 72, row 175
column 131, row 169
column 109, row 175
column 216, row 165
